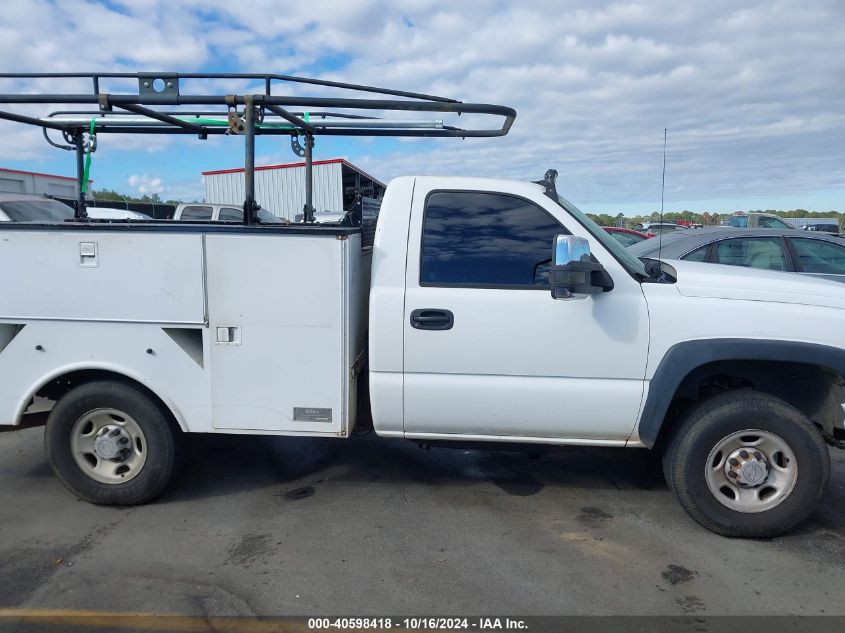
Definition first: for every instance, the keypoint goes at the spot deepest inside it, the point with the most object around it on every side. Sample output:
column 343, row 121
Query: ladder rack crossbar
column 260, row 111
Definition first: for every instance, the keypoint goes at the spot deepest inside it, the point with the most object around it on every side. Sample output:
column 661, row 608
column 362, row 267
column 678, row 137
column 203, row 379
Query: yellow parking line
column 152, row 622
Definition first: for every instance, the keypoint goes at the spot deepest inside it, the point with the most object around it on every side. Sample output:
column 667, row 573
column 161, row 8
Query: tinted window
column 698, row 255
column 486, row 239
column 230, row 214
column 764, row 222
column 818, row 256
column 740, row 221
column 626, row 239
column 662, row 228
column 37, row 211
column 196, row 213
column 370, row 208
column 827, row 228
column 754, row 252
column 268, row 218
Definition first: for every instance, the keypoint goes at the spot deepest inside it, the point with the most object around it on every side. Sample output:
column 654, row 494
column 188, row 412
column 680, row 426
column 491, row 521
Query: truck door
column 487, row 351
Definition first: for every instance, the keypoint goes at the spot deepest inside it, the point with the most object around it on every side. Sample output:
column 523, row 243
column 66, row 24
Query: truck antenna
column 662, row 191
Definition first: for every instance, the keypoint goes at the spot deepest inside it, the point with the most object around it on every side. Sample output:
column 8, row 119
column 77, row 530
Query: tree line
column 706, row 218
column 112, row 195
column 602, row 219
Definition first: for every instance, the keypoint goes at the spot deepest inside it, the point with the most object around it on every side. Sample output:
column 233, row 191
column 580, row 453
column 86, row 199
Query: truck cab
column 464, row 321
column 757, row 220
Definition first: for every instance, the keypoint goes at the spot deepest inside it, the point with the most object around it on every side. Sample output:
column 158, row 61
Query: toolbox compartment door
column 277, row 318
column 102, row 275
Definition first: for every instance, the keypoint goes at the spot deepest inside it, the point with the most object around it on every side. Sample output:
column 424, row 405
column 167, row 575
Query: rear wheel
column 111, row 443
column 747, row 464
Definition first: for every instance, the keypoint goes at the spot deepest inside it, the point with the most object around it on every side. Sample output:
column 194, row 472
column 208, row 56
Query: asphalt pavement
column 272, row 526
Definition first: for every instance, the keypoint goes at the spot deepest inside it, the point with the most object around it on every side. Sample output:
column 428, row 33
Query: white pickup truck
column 485, row 311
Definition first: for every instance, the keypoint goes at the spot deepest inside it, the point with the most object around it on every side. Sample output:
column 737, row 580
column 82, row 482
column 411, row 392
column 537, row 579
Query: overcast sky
column 752, row 92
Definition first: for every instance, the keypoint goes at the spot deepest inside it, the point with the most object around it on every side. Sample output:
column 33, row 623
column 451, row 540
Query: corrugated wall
column 281, row 191
column 802, row 222
column 40, row 184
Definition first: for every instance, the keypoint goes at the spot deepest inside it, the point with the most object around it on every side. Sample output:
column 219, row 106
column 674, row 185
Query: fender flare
column 683, row 358
column 118, row 370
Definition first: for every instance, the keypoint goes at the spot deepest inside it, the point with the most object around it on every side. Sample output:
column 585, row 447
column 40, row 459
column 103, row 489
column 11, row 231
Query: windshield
column 766, row 222
column 631, row 263
column 37, row 210
column 265, row 217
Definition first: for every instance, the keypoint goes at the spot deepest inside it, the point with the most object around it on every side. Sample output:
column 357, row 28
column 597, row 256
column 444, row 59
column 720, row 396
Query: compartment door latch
column 88, row 254
column 228, row 335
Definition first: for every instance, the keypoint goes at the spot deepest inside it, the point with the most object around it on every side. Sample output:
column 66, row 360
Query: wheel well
column 814, row 390
column 60, row 385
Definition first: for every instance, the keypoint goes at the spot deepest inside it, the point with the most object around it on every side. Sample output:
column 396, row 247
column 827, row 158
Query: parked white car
column 216, row 211
column 322, row 217
column 113, row 213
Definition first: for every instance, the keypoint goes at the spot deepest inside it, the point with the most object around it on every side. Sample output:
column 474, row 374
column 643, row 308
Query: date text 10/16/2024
column 419, row 623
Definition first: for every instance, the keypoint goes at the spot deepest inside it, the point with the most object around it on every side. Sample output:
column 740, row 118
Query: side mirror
column 574, row 271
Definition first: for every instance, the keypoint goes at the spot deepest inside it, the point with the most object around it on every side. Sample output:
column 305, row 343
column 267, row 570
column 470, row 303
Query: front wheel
column 747, row 464
column 111, row 443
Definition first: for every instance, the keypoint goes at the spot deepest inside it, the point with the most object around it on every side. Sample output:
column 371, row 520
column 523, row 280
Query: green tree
column 112, row 195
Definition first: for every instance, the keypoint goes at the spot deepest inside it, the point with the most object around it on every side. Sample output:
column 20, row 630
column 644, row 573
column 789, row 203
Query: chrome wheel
column 108, row 446
column 751, row 471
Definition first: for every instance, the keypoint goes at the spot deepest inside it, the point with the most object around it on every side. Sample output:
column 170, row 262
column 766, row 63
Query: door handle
column 432, row 319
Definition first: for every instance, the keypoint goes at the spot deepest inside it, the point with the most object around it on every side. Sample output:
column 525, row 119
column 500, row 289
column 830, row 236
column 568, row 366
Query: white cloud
column 169, row 189
column 751, row 91
column 145, row 184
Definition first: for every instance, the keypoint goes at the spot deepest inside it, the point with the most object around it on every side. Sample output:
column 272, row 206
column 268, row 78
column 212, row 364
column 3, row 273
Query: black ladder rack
column 150, row 110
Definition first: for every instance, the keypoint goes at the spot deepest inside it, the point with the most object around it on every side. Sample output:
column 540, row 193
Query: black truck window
column 486, row 240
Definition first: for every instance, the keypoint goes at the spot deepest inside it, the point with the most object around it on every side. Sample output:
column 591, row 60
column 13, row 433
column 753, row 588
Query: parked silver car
column 24, row 207
column 770, row 249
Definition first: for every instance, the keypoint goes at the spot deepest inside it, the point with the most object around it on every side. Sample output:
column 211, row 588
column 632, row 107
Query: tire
column 775, row 493
column 141, row 447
